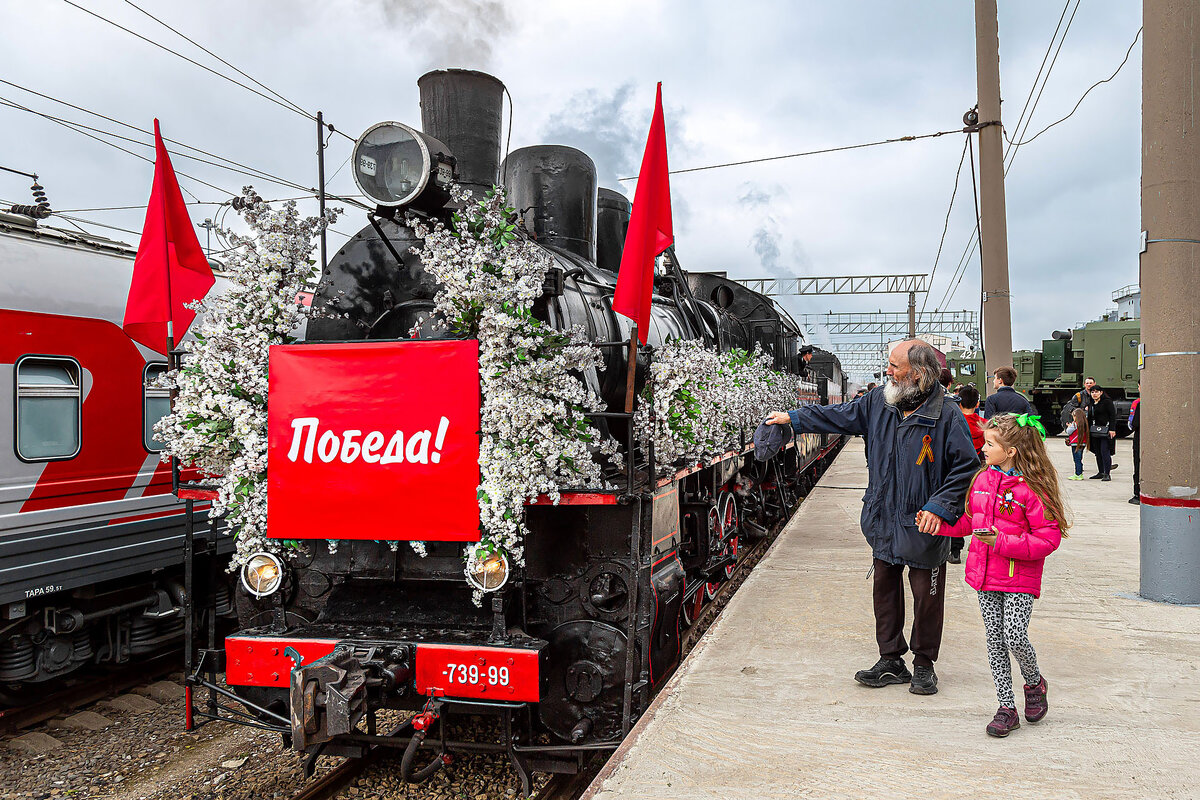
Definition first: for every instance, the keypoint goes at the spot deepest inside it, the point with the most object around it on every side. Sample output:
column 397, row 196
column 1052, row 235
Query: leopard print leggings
column 1006, row 621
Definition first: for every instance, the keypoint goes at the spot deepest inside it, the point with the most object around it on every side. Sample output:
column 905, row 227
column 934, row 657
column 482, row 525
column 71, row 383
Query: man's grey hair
column 923, row 361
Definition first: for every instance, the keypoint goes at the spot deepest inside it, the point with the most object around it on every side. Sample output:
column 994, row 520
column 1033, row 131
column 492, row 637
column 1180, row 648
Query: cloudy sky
column 740, row 81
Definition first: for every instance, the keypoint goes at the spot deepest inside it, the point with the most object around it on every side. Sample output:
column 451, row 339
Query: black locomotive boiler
column 570, row 651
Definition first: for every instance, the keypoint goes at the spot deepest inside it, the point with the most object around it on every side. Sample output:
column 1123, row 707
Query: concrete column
column 1170, row 417
column 993, row 240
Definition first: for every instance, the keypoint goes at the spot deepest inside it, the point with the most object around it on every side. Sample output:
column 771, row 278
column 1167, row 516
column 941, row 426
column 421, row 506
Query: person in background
column 1102, row 423
column 1135, row 425
column 1078, row 400
column 1006, row 399
column 806, row 355
column 969, row 403
column 945, row 378
column 871, row 385
column 919, row 462
column 1077, row 439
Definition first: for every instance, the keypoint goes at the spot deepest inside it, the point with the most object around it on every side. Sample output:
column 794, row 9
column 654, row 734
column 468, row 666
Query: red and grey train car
column 91, row 537
column 572, row 646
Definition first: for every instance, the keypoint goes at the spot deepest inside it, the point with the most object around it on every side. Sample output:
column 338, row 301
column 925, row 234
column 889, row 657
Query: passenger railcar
column 90, row 535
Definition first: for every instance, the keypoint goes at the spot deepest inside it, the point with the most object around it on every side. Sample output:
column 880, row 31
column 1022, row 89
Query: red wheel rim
column 732, row 549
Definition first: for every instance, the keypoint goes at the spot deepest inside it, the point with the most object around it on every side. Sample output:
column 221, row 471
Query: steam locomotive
column 571, row 647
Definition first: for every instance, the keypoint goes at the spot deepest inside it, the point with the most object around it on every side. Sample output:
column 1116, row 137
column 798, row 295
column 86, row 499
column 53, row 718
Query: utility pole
column 321, row 183
column 993, row 237
column 208, row 227
column 912, row 315
column 1170, row 472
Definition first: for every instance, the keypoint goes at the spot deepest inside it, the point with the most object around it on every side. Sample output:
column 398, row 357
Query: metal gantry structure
column 868, row 357
column 895, row 324
column 840, row 284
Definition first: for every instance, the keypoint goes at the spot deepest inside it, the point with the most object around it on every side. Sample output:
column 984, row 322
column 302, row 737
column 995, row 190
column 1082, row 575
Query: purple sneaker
column 1035, row 701
column 1005, row 722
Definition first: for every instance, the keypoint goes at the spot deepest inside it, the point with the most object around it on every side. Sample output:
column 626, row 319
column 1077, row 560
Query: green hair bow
column 1032, row 421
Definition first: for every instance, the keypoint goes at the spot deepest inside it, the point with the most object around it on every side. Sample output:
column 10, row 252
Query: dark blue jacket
column 1006, row 400
column 897, row 486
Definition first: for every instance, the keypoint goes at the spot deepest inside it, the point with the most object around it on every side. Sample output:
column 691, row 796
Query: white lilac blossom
column 219, row 420
column 705, row 402
column 537, row 437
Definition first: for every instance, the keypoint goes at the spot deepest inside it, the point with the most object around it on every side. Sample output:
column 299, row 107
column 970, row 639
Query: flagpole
column 632, row 370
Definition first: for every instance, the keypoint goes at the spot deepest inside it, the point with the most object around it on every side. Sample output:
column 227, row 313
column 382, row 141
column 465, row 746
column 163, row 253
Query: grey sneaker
column 885, row 672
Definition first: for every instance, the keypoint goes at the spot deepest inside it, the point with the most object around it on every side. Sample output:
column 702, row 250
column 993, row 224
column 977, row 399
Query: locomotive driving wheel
column 715, row 545
column 730, row 527
column 692, row 606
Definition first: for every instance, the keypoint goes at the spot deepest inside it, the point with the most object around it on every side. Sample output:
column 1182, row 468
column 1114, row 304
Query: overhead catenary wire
column 1009, row 149
column 807, row 153
column 1128, row 52
column 192, row 61
column 98, row 115
column 295, row 106
column 946, row 224
column 1021, row 119
column 73, row 127
column 249, row 172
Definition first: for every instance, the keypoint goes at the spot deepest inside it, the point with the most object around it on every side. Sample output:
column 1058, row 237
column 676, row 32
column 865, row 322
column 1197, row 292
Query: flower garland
column 219, row 420
column 537, row 437
column 704, row 400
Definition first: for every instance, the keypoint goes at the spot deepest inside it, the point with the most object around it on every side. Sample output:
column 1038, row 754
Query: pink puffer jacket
column 1025, row 538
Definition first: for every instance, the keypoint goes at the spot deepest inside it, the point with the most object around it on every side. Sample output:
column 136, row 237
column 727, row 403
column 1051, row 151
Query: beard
column 905, row 396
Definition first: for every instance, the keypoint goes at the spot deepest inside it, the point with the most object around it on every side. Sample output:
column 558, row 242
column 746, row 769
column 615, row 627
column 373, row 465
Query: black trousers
column 1103, row 449
column 1137, row 465
column 929, row 604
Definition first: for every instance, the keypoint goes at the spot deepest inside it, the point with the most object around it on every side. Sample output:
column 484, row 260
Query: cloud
column 452, row 33
column 601, row 124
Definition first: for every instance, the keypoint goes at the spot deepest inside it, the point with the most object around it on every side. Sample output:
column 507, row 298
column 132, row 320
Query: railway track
column 86, row 693
column 556, row 787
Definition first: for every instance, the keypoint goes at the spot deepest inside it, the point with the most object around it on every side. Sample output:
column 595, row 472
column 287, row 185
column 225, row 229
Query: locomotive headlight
column 490, row 572
column 397, row 166
column 262, row 574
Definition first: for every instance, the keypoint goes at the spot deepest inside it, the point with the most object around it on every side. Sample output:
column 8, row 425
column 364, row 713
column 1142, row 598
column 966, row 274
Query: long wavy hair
column 1033, row 462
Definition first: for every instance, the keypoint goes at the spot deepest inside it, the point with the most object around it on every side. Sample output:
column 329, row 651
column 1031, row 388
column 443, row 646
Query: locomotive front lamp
column 399, row 167
column 263, row 574
column 489, row 573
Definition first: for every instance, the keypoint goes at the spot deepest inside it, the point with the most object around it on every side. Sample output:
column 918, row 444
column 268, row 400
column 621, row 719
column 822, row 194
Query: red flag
column 170, row 269
column 649, row 228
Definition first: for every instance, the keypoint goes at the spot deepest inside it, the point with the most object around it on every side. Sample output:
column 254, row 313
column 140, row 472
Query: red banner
column 374, row 441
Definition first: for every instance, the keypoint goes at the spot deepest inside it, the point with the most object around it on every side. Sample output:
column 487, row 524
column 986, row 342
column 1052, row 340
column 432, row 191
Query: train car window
column 156, row 405
column 49, row 406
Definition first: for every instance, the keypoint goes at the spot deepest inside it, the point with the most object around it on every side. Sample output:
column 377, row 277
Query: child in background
column 1077, row 440
column 1015, row 512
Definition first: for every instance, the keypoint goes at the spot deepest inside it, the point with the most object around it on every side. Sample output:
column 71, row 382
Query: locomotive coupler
column 328, row 698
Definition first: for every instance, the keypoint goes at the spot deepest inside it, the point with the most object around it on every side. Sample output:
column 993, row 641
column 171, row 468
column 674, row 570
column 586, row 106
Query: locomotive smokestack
column 554, row 187
column 462, row 108
column 612, row 220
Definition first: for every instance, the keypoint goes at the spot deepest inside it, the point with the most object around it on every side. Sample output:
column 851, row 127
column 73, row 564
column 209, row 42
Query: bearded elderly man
column 920, row 461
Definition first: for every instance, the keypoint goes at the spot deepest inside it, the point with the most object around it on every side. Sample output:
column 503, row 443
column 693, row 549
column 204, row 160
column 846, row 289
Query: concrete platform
column 766, row 705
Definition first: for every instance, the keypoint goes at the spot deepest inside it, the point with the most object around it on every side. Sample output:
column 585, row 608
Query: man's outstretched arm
column 849, row 418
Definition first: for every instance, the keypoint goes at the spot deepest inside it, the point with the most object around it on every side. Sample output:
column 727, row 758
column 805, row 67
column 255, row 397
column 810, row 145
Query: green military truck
column 1106, row 351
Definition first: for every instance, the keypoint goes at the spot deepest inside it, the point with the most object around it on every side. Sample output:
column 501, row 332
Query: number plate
column 366, row 165
column 487, row 673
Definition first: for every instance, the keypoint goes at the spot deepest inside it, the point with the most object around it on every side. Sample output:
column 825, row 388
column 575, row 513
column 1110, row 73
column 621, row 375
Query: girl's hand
column 987, row 538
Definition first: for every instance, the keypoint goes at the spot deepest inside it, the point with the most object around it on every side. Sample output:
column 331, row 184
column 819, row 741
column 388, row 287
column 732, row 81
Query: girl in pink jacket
column 1016, row 517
